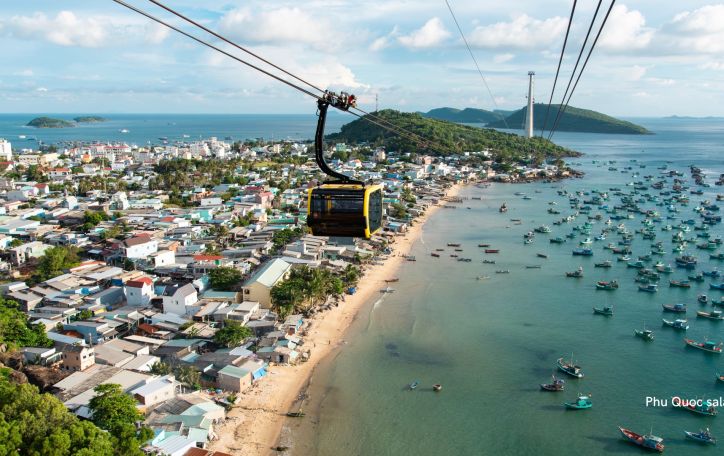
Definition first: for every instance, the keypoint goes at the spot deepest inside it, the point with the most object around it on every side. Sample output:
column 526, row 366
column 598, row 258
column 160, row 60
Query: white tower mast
column 529, row 113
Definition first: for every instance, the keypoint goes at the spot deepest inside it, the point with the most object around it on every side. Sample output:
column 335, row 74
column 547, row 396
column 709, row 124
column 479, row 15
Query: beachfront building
column 258, row 287
column 78, row 358
column 6, row 150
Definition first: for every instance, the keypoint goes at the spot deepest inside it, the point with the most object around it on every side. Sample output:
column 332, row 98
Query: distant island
column 467, row 115
column 89, row 119
column 445, row 138
column 575, row 120
column 49, row 122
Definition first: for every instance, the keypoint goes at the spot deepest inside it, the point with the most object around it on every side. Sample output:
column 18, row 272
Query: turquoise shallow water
column 492, row 342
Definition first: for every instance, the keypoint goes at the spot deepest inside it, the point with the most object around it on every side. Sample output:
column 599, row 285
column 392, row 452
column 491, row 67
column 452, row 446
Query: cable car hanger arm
column 343, row 101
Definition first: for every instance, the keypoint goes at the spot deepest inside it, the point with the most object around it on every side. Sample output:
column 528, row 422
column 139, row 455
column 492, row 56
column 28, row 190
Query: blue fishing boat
column 583, row 252
column 717, row 286
column 679, row 284
column 703, row 436
column 606, row 310
column 414, row 384
column 676, row 308
column 582, row 403
column 679, row 324
column 707, row 345
column 649, row 288
column 602, row 285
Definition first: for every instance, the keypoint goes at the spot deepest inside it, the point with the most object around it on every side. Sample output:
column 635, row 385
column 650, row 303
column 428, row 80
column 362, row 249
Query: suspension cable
column 560, row 60
column 476, row 64
column 578, row 60
column 585, row 63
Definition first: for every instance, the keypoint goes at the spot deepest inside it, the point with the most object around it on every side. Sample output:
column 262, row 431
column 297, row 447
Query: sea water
column 491, row 342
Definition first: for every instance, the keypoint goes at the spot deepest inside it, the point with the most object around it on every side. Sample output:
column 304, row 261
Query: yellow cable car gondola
column 344, row 207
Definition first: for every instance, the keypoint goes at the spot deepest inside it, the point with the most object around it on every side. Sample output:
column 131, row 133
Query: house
column 22, row 253
column 180, row 300
column 232, row 378
column 258, row 286
column 139, row 247
column 157, row 390
column 94, row 332
column 139, row 292
column 41, row 355
column 78, row 358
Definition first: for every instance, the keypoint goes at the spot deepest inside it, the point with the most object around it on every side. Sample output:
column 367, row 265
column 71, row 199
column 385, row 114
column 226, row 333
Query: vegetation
column 232, row 334
column 575, row 119
column 92, row 218
column 446, row 138
column 398, row 210
column 49, row 122
column 115, row 411
column 187, row 375
column 35, row 424
column 285, row 236
column 54, row 261
column 89, row 119
column 467, row 115
column 224, row 279
column 16, row 330
column 304, row 288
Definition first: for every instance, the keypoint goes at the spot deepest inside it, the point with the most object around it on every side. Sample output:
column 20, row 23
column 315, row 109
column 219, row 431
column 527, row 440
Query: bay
column 490, row 343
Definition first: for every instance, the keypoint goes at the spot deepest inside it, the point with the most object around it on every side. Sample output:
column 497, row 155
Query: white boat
column 123, row 130
column 387, row 290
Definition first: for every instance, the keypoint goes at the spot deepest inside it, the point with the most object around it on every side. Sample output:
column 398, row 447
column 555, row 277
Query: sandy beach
column 253, row 426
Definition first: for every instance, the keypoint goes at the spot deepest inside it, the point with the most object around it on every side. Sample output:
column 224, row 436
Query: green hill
column 89, row 119
column 445, row 138
column 49, row 122
column 467, row 115
column 575, row 119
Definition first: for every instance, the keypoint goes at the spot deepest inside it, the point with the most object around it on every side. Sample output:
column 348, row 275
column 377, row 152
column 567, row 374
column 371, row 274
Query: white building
column 180, row 300
column 6, row 151
column 139, row 292
column 139, row 247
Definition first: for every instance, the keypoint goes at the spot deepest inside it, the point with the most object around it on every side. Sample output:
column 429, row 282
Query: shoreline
column 254, row 425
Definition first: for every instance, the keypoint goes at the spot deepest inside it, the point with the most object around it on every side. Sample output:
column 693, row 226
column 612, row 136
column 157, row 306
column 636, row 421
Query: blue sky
column 655, row 57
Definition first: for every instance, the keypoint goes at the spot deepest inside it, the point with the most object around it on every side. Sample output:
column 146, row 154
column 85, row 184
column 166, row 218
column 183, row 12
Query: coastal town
column 185, row 274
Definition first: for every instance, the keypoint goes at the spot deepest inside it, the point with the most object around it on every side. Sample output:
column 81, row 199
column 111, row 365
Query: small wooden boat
column 720, row 377
column 557, row 384
column 450, row 244
column 582, row 252
column 414, row 384
column 578, row 273
column 602, row 285
column 569, row 367
column 436, row 255
column 717, row 286
column 604, row 264
column 713, row 315
column 676, row 308
column 489, row 261
column 707, row 346
column 503, row 208
column 582, row 403
column 679, row 284
column 394, row 279
column 492, row 251
column 648, row 441
column 677, row 324
column 299, row 414
column 703, row 436
column 541, row 255
column 533, row 266
column 502, row 271
column 387, row 290
column 645, row 334
column 606, row 310
column 437, row 387
column 483, row 277
column 649, row 288
column 701, row 407
column 483, row 245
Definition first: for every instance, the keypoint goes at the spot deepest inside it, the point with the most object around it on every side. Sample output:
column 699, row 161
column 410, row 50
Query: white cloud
column 65, row 29
column 637, row 72
column 716, row 66
column 429, row 35
column 700, row 31
column 502, row 58
column 384, row 42
column 25, row 73
column 625, row 30
column 522, row 32
column 333, row 75
column 280, row 26
column 156, row 33
column 41, row 89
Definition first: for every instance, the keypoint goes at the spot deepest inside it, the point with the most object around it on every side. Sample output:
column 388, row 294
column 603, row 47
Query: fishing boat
column 602, row 285
column 436, row 255
column 645, row 334
column 677, row 324
column 647, row 441
column 583, row 252
column 533, row 266
column 503, row 208
column 582, row 403
column 707, row 345
column 483, row 245
column 489, row 261
column 679, row 284
column 713, row 273
column 700, row 407
column 414, row 384
column 649, row 288
column 556, row 384
column 450, row 244
column 569, row 367
column 606, row 310
column 492, row 251
column 696, row 278
column 717, row 286
column 635, row 264
column 713, row 315
column 578, row 273
column 502, row 271
column 604, row 264
column 394, row 279
column 483, row 277
column 557, row 240
column 437, row 387
column 717, row 256
column 703, row 436
column 387, row 290
column 719, row 377
column 676, row 308
column 665, row 269
column 541, row 255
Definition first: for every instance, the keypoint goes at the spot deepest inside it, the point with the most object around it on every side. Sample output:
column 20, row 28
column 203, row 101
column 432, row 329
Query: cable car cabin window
column 374, row 211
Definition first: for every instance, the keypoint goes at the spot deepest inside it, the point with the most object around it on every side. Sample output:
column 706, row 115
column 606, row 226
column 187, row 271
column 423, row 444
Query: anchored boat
column 707, row 345
column 606, row 310
column 556, row 384
column 569, row 367
column 703, row 436
column 677, row 324
column 647, row 441
column 582, row 403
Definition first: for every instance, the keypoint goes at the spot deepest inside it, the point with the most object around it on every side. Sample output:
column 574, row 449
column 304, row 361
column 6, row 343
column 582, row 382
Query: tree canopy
column 224, row 278
column 304, row 288
column 115, row 411
column 34, row 424
column 54, row 261
column 232, row 334
column 16, row 330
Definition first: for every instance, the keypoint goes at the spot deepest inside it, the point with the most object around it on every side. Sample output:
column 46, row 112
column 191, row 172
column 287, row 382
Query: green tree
column 224, row 278
column 85, row 314
column 54, row 261
column 17, row 331
column 115, row 411
column 188, row 376
column 36, row 424
column 398, row 210
column 232, row 334
column 160, row 368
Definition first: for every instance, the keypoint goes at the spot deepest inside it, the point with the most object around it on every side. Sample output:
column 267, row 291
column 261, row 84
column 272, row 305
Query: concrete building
column 78, row 358
column 139, row 292
column 180, row 300
column 6, row 150
column 258, row 287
